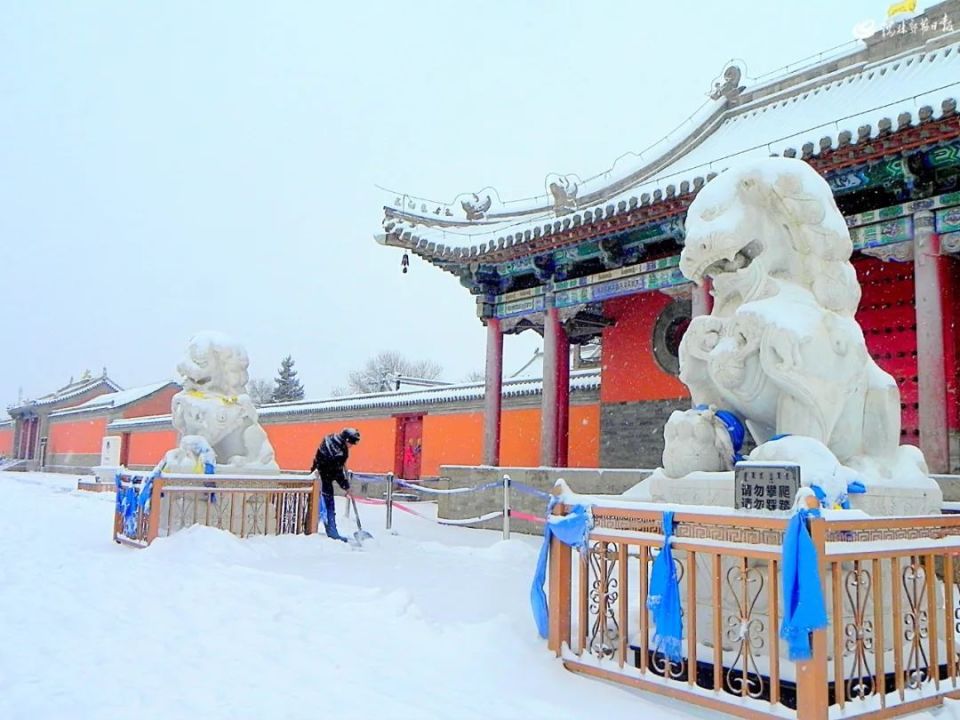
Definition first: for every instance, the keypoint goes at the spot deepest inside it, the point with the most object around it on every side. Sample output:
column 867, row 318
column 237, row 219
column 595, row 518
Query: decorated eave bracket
column 886, row 233
column 614, row 251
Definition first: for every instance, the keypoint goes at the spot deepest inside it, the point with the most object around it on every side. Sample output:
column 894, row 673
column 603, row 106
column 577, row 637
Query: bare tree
column 378, row 373
column 260, row 391
column 474, row 376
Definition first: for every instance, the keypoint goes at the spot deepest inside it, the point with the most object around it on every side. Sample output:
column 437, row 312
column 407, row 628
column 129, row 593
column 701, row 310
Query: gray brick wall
column 631, row 433
column 954, row 461
column 80, row 463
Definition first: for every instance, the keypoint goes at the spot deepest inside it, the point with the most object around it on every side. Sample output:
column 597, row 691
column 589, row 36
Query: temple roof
column 117, row 399
column 847, row 100
column 69, row 392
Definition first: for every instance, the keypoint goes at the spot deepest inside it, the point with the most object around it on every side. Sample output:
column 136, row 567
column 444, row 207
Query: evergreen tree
column 287, row 387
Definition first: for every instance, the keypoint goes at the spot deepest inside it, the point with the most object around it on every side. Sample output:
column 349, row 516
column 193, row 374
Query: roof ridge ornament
column 563, row 190
column 728, row 85
column 475, row 205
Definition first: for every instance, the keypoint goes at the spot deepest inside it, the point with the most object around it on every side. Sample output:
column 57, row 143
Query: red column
column 701, row 301
column 931, row 366
column 563, row 397
column 34, row 426
column 548, row 401
column 493, row 393
column 21, row 430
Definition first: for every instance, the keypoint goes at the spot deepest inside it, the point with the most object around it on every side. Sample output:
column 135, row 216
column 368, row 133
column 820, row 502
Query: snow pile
column 433, row 622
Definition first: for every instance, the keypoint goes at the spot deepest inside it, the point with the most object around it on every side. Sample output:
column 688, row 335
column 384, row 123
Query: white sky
column 170, row 167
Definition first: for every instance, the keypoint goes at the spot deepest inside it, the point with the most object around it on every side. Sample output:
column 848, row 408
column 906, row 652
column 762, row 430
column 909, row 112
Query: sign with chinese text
column 762, row 486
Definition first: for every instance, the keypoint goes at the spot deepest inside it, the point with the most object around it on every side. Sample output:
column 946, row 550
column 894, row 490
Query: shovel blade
column 361, row 535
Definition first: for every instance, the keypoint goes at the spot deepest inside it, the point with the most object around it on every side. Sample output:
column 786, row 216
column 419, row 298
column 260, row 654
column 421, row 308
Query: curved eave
column 889, row 97
column 829, row 155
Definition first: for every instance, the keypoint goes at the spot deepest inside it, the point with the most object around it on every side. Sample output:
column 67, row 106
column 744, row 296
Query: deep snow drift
column 432, row 622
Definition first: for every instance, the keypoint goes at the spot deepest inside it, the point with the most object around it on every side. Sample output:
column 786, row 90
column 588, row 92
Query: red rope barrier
column 526, row 516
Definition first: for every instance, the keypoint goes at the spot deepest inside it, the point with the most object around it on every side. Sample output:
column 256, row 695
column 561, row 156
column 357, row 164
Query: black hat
column 350, row 435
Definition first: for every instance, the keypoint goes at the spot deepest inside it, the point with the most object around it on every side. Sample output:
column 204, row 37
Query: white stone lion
column 694, row 440
column 781, row 348
column 215, row 406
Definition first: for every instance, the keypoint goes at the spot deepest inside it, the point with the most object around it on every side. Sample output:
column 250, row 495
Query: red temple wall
column 296, row 443
column 147, row 447
column 6, row 441
column 76, row 437
column 630, row 373
column 157, row 404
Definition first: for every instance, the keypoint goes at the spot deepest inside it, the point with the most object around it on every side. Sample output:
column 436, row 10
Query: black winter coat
column 330, row 460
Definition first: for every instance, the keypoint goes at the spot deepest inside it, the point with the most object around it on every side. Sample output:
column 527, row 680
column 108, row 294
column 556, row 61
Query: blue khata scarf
column 735, row 429
column 803, row 607
column 663, row 597
column 571, row 529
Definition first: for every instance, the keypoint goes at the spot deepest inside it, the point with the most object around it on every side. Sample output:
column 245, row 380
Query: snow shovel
column 360, row 535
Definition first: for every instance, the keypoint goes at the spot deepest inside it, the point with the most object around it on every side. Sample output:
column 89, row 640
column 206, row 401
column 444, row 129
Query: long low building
column 409, row 432
column 64, row 431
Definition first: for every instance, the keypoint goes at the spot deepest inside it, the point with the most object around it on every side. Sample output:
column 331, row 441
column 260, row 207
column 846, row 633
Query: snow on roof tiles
column 580, row 381
column 113, row 400
column 70, row 391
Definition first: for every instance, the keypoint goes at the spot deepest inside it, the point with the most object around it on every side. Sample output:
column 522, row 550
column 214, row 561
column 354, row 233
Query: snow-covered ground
column 432, row 622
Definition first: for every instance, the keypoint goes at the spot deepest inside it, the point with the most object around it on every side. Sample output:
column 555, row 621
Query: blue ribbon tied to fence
column 804, row 609
column 663, row 597
column 127, row 503
column 571, row 529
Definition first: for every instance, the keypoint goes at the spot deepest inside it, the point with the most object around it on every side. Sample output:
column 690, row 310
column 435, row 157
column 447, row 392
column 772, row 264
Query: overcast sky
column 170, row 167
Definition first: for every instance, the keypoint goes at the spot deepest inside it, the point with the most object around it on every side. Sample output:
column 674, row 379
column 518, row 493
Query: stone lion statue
column 214, row 407
column 781, row 348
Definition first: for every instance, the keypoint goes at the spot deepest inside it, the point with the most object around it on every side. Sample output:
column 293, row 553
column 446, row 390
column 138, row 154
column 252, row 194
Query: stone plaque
column 765, row 486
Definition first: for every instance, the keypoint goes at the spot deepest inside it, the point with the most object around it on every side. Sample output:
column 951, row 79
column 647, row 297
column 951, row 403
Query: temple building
column 63, row 431
column 593, row 263
column 597, row 259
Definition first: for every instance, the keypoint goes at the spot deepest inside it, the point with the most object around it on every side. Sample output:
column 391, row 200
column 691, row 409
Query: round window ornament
column 668, row 330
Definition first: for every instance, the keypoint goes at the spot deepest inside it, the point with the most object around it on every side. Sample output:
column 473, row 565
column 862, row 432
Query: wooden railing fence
column 244, row 505
column 891, row 586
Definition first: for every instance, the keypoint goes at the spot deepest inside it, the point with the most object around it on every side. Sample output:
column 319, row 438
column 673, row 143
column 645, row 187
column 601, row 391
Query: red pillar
column 21, row 429
column 701, row 301
column 563, row 398
column 493, row 393
column 548, row 401
column 931, row 365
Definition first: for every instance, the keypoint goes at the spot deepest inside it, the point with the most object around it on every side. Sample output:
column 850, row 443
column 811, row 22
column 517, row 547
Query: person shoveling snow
column 330, row 461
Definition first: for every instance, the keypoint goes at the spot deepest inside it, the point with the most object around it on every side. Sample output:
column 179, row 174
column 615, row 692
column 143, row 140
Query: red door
column 125, row 449
column 410, row 439
column 889, row 323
